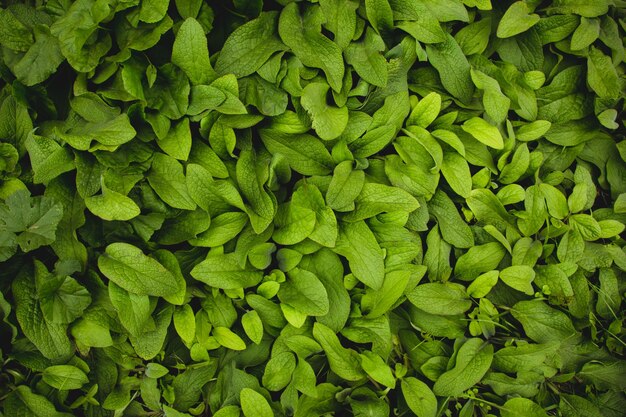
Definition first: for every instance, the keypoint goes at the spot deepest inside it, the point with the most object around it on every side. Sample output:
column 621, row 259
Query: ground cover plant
column 320, row 208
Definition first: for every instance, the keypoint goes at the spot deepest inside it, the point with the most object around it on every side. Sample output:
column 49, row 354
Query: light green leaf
column 111, row 205
column 293, row 223
column 358, row 244
column 419, row 397
column 250, row 46
column 254, row 404
column 253, row 326
column 377, row 369
column 344, row 362
column 519, row 277
column 168, row 181
column 23, row 402
column 522, row 407
column 580, row 7
column 305, row 153
column 304, row 292
column 49, row 338
column 379, row 14
column 453, row 68
column 224, row 271
column 310, row 46
column 601, row 75
column 472, row 362
column 328, row 121
column 344, row 187
column 64, row 377
column 517, row 19
column 379, row 198
column 228, row 338
column 479, row 259
column 440, row 298
column 191, row 54
column 185, row 323
column 481, row 286
column 278, row 371
column 367, row 59
column 127, row 266
column 453, row 229
column 542, row 323
column 484, row 132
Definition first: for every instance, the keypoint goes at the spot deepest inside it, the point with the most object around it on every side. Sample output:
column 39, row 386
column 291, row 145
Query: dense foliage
column 327, row 207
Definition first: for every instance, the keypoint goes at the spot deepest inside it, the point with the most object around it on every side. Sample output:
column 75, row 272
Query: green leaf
column 253, row 326
column 440, row 298
column 484, row 132
column 64, row 377
column 167, row 179
column 31, row 221
column 152, row 11
column 379, row 14
column 278, row 371
column 228, row 338
column 254, row 404
column 111, row 205
column 575, row 406
column 453, row 68
column 585, row 34
column 483, row 284
column 177, row 142
column 328, row 121
column 49, row 338
column 479, row 259
column 65, row 301
column 601, row 74
column 519, row 277
column 127, row 266
column 310, row 46
column 48, row 158
column 344, row 187
column 110, row 133
column 456, row 171
column 304, row 292
column 377, row 369
column 426, row 111
column 375, row 303
column 41, row 60
column 542, row 323
column 580, row 7
column 487, row 208
column 453, row 229
column 357, row 243
column 344, row 362
column 367, row 59
column 419, row 397
column 472, row 362
column 190, row 52
column 250, row 46
column 23, row 402
column 294, row 223
column 305, row 153
column 224, row 271
column 517, row 19
column 185, row 323
column 555, row 201
column 518, row 407
column 14, row 34
column 586, row 225
column 378, row 198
